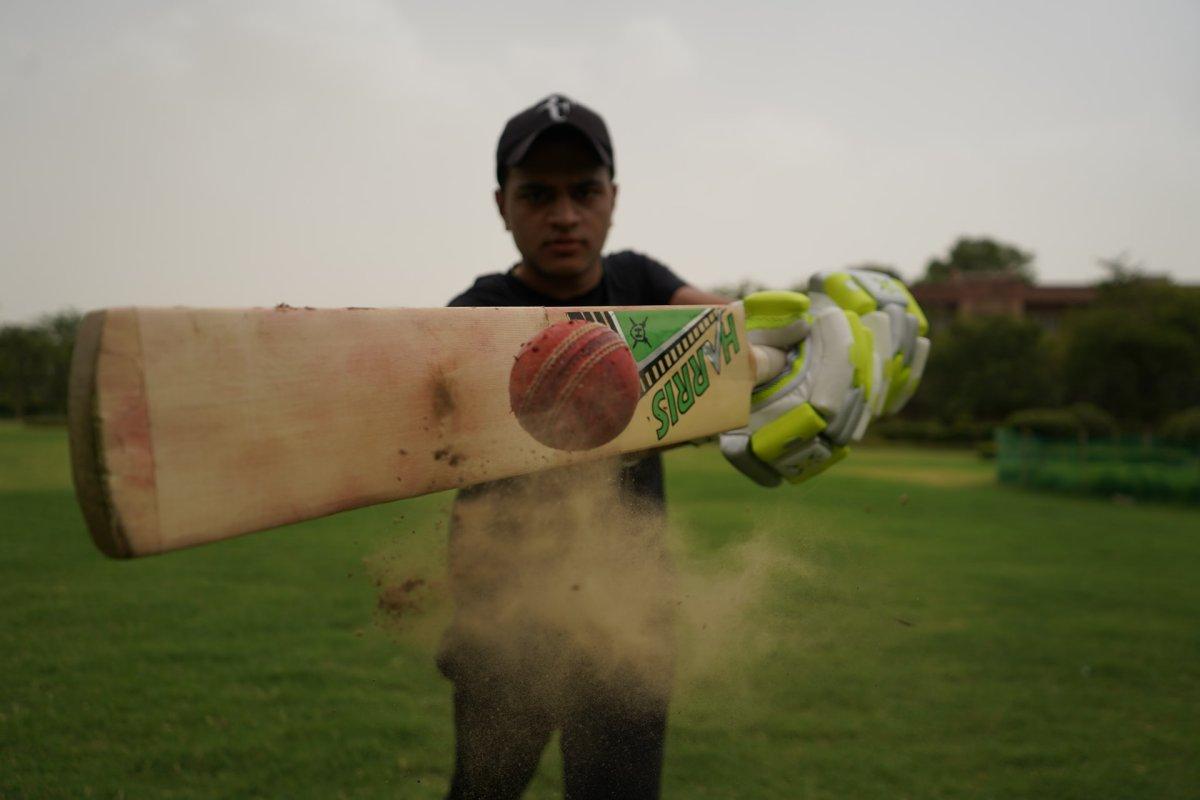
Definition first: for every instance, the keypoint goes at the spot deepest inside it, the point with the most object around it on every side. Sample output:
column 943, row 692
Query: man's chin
column 563, row 267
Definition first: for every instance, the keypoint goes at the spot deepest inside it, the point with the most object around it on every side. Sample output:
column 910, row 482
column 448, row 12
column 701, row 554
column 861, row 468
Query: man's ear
column 499, row 195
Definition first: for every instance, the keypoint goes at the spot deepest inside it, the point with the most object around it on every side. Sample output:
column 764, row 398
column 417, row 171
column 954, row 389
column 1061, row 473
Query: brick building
column 966, row 295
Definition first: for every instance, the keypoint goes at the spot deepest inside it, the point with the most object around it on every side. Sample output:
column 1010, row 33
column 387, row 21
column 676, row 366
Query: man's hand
column 855, row 349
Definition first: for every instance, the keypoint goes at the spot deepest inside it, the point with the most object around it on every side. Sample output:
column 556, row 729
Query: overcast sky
column 339, row 152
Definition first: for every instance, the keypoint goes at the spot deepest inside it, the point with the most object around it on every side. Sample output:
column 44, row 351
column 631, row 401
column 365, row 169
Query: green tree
column 981, row 256
column 25, row 367
column 60, row 329
column 985, row 368
column 35, row 362
column 1136, row 353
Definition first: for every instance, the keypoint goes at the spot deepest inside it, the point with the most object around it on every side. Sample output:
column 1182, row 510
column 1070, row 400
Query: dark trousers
column 611, row 735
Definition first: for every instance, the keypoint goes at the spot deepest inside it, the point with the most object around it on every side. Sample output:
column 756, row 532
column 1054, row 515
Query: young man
column 556, row 195
column 561, row 582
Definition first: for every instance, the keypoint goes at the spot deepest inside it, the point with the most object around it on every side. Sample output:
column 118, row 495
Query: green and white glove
column 855, row 349
column 900, row 329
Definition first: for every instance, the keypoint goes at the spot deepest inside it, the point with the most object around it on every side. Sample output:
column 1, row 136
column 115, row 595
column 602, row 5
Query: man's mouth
column 564, row 246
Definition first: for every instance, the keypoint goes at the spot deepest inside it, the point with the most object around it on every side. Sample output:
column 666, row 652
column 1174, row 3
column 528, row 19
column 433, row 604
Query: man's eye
column 536, row 196
column 586, row 192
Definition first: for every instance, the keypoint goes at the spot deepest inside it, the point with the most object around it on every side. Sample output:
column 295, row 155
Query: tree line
column 35, row 362
column 1129, row 362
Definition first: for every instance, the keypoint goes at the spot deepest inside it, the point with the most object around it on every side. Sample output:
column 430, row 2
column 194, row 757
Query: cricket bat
column 189, row 426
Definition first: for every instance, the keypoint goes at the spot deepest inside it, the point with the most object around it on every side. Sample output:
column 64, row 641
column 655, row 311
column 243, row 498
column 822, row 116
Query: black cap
column 523, row 130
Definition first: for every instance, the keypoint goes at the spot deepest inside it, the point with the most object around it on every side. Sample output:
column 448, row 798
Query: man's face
column 558, row 203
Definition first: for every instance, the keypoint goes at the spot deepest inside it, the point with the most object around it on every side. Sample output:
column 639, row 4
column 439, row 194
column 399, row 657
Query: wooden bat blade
column 191, row 425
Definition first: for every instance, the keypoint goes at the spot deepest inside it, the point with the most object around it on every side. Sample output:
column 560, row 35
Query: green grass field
column 901, row 628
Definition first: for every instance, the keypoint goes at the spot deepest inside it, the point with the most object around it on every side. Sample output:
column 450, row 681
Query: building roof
column 1001, row 290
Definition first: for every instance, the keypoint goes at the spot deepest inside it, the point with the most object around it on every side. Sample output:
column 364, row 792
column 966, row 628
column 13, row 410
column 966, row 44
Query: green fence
column 1139, row 468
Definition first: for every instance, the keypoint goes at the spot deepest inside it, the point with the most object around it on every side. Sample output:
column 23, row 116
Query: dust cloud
column 562, row 570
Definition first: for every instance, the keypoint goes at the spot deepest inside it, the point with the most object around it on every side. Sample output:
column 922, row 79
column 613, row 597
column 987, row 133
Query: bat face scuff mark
column 442, row 397
column 449, row 456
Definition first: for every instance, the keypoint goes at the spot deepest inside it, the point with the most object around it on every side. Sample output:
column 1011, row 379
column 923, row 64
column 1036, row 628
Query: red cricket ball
column 574, row 386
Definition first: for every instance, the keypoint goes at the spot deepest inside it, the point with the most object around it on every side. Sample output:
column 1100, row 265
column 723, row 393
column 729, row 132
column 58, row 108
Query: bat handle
column 768, row 362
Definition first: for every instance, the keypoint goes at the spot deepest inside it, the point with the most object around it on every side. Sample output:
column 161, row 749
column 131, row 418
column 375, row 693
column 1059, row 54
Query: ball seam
column 549, row 364
column 581, row 374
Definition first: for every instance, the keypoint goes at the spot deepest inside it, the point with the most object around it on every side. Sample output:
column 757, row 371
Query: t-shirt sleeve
column 488, row 290
column 467, row 299
column 654, row 280
column 662, row 283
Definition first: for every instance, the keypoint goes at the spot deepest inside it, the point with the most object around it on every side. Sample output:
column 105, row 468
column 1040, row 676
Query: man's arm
column 691, row 296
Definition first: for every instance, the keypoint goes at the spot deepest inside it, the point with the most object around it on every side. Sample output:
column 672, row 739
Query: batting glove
column 886, row 307
column 844, row 366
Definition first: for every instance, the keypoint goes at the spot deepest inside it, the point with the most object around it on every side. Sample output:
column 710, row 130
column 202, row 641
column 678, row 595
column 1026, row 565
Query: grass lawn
column 901, row 628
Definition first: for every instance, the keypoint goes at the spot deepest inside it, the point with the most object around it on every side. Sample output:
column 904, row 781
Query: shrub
column 932, row 431
column 1057, row 423
column 1137, row 468
column 1082, row 420
column 986, row 368
column 1095, row 421
column 1183, row 427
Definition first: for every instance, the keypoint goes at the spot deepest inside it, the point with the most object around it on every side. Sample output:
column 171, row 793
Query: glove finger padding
column 877, row 297
column 801, row 419
column 906, row 378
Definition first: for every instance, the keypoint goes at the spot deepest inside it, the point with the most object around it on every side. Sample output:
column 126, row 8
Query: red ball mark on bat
column 574, row 386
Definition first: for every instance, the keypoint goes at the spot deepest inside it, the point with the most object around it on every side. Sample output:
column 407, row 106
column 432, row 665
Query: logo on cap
column 557, row 107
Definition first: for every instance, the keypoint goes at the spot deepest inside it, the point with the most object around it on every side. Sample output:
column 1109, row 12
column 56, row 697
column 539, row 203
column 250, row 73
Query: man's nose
column 564, row 212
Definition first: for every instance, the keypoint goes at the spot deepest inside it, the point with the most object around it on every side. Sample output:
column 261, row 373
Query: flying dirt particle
column 574, row 587
column 904, row 499
column 402, row 598
column 903, row 622
column 402, row 451
column 438, row 455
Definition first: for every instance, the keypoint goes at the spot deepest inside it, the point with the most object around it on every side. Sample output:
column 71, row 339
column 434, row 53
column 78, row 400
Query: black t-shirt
column 629, row 279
